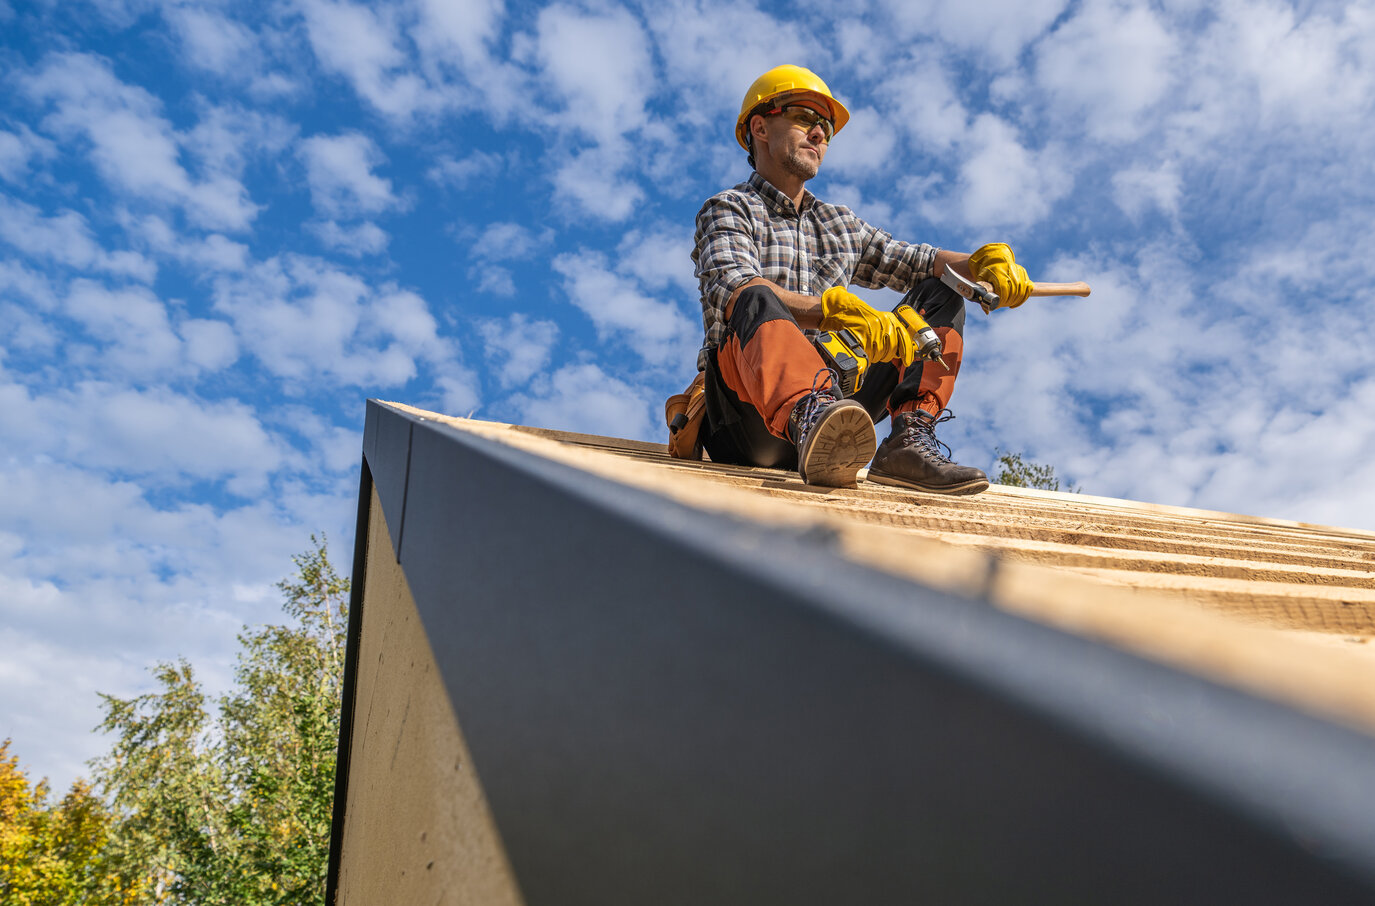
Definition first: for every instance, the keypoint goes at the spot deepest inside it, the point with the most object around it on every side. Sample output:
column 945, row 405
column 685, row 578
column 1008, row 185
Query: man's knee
column 755, row 306
column 940, row 305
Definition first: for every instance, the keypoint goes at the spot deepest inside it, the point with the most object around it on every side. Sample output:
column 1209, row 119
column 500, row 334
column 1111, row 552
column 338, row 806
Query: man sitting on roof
column 773, row 262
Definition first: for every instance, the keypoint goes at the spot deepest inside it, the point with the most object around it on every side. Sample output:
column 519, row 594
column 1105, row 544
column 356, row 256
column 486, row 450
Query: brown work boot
column 911, row 457
column 835, row 438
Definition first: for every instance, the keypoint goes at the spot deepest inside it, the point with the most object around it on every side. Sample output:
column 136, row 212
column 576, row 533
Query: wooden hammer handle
column 1060, row 289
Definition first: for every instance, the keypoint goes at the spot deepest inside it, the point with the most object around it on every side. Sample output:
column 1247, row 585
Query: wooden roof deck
column 1282, row 608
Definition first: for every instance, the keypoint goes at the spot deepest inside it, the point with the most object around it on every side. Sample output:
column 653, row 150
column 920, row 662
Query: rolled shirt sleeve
column 885, row 262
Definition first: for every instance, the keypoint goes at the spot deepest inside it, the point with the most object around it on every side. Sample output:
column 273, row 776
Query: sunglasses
column 805, row 117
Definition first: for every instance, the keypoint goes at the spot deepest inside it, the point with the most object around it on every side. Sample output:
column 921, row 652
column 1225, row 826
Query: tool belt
column 683, row 412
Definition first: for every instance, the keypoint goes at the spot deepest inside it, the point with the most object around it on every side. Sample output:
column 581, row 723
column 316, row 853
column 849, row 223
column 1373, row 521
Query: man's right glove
column 993, row 264
column 885, row 338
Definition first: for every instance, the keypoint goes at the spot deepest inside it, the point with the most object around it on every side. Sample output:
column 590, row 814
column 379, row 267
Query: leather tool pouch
column 683, row 412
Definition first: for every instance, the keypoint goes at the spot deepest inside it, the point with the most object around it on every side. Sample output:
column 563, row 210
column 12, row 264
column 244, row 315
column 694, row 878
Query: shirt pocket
column 829, row 272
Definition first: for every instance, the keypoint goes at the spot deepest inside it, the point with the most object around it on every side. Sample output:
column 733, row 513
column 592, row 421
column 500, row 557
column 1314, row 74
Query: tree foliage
column 235, row 810
column 55, row 854
column 1017, row 472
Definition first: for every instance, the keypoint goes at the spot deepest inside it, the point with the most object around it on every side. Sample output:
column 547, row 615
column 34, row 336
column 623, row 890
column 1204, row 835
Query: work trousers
column 766, row 365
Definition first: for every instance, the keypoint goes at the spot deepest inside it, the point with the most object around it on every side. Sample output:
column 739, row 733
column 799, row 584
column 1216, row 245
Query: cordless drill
column 844, row 354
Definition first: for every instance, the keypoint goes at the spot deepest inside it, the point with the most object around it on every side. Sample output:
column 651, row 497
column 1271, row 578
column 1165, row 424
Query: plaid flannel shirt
column 753, row 230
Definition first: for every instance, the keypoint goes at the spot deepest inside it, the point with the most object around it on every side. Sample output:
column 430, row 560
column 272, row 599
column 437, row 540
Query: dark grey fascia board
column 348, row 690
column 673, row 706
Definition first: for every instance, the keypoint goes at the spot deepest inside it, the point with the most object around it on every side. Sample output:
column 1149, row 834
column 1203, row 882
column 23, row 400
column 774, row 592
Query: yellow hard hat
column 784, row 80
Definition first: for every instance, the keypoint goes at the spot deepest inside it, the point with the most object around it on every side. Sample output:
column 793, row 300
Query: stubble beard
column 801, row 167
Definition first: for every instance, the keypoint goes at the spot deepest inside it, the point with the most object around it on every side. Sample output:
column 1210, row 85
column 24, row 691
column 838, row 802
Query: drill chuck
column 928, row 342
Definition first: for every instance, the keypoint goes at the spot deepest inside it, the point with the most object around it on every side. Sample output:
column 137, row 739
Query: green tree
column 1017, row 472
column 235, row 811
column 55, row 854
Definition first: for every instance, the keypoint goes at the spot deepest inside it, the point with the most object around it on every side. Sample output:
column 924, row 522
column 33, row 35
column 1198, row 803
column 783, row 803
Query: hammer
column 984, row 295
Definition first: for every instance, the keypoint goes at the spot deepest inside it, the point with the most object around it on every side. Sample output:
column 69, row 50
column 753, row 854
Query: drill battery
column 843, row 353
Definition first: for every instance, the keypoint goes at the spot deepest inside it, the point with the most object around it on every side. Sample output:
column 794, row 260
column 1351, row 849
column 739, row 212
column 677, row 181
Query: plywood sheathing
column 1281, row 608
column 417, row 826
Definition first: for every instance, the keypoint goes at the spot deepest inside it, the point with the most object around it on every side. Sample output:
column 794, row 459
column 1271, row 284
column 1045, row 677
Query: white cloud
column 339, row 170
column 1313, row 70
column 134, row 334
column 865, row 147
column 212, row 253
column 210, row 345
column 1130, row 56
column 993, row 31
column 459, row 30
column 1142, row 189
column 599, row 64
column 508, row 241
column 18, row 280
column 460, row 173
column 501, row 242
column 367, row 48
column 587, row 399
column 25, row 299
column 594, row 183
column 18, row 149
column 1003, row 183
column 518, row 347
column 214, row 42
column 132, row 145
column 227, row 136
column 871, row 210
column 335, row 448
column 164, row 437
column 365, row 238
column 66, row 239
column 458, row 42
column 917, row 94
column 308, row 321
column 499, row 281
column 619, row 307
column 710, row 75
column 659, row 257
column 275, row 86
column 459, row 391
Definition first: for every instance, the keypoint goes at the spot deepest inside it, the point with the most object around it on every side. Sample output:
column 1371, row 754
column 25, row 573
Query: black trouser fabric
column 733, row 431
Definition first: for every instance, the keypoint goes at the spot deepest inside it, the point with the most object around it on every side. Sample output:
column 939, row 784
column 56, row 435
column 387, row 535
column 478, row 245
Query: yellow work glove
column 993, row 264
column 885, row 338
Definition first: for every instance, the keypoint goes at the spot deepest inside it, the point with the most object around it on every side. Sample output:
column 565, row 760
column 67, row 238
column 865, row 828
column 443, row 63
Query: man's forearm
column 806, row 310
column 959, row 261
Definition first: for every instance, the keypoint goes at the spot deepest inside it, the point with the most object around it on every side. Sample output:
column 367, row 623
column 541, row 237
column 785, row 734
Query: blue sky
column 223, row 226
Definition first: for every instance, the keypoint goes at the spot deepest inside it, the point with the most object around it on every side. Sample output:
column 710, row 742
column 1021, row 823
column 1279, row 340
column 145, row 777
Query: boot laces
column 809, row 408
column 921, row 433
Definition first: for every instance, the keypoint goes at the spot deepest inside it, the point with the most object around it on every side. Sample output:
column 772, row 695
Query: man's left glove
column 993, row 264
column 885, row 338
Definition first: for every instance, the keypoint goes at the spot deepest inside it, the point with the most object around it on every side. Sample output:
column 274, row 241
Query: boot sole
column 841, row 444
column 973, row 486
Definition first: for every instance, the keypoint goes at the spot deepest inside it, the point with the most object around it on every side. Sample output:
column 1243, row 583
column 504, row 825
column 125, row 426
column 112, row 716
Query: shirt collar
column 777, row 199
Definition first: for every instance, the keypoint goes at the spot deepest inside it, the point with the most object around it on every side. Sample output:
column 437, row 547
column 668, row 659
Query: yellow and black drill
column 844, row 354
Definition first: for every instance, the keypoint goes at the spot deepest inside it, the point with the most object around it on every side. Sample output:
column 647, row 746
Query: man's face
column 795, row 147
